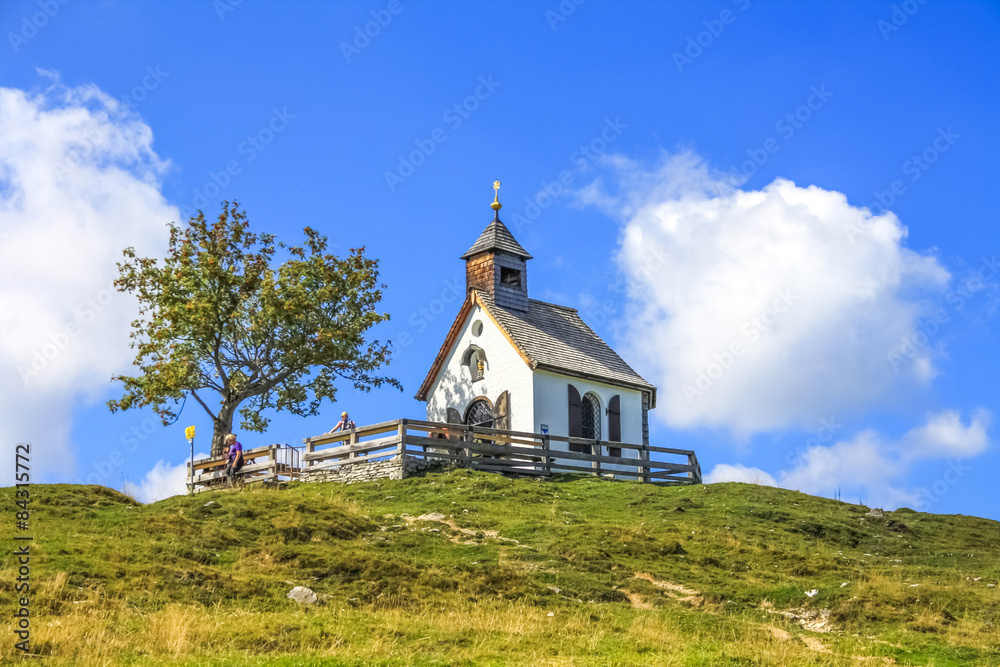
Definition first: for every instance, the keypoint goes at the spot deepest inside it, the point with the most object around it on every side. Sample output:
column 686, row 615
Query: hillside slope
column 472, row 568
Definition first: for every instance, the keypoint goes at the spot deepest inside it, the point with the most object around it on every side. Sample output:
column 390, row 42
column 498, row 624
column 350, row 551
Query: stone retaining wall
column 396, row 467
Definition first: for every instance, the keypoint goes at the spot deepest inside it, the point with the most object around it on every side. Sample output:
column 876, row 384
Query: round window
column 477, row 327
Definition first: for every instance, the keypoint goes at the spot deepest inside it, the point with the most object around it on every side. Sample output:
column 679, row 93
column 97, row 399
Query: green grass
column 547, row 575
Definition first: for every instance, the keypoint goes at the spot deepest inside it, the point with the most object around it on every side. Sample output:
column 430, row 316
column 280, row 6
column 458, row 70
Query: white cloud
column 944, row 436
column 757, row 310
column 79, row 181
column 163, row 481
column 874, row 469
column 724, row 472
column 865, row 462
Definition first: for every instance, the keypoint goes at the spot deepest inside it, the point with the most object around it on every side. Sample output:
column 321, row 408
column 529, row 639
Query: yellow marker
column 189, row 433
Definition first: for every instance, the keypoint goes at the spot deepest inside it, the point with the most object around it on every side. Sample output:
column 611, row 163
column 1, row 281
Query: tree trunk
column 223, row 427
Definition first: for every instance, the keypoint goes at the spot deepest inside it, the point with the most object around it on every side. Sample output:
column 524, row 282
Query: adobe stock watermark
column 115, row 460
column 582, row 159
column 927, row 497
column 223, row 7
column 30, row 26
column 653, row 259
column 454, row 116
column 95, row 138
column 928, row 328
column 752, row 330
column 827, row 431
column 562, row 12
column 704, row 39
column 57, row 341
column 786, row 126
column 901, row 13
column 599, row 314
column 363, row 35
column 151, row 81
column 92, row 140
column 421, row 318
column 915, row 167
column 248, row 149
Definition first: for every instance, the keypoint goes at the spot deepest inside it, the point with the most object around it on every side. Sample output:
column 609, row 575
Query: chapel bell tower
column 497, row 264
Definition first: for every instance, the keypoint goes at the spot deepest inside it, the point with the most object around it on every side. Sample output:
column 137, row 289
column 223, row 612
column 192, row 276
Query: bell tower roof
column 497, row 264
column 496, row 237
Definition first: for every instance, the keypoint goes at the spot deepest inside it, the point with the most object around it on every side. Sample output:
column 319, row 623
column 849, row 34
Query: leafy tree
column 215, row 316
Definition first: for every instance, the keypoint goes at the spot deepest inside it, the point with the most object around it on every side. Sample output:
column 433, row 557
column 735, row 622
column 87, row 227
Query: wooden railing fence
column 496, row 450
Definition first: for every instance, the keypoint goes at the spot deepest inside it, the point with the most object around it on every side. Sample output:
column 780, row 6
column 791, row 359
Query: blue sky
column 714, row 155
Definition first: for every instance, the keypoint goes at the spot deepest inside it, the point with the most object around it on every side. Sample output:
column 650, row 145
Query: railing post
column 401, row 446
column 468, row 446
column 546, row 461
column 595, row 451
column 272, row 468
column 310, row 448
column 694, row 475
column 644, row 457
column 353, row 440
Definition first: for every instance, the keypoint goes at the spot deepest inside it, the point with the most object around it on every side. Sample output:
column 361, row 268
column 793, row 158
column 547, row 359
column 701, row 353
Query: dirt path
column 635, row 599
column 463, row 535
column 686, row 594
column 814, row 644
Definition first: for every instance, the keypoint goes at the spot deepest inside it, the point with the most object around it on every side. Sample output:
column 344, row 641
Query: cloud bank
column 758, row 310
column 872, row 468
column 724, row 472
column 79, row 181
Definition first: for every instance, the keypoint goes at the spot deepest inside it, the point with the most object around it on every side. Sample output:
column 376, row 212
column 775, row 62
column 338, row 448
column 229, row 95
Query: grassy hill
column 465, row 568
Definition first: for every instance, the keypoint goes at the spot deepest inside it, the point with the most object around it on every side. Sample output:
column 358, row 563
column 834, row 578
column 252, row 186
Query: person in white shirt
column 345, row 423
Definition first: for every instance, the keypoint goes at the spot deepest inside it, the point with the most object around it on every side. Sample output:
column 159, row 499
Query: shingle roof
column 555, row 338
column 496, row 237
column 548, row 337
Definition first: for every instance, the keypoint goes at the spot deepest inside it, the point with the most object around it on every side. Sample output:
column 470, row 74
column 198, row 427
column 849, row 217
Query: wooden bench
column 210, row 473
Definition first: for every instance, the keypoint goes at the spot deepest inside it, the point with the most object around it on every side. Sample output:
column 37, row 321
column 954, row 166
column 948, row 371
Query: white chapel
column 512, row 362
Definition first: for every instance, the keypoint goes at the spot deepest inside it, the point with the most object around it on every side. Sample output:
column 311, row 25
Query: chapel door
column 501, row 412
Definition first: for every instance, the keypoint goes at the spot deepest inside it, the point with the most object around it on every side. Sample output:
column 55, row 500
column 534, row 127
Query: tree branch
column 198, row 398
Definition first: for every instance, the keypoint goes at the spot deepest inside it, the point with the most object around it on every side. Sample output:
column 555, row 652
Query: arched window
column 584, row 419
column 591, row 417
column 479, row 413
column 475, row 358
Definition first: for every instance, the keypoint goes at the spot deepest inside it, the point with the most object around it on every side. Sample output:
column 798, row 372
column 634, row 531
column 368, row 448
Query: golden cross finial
column 496, row 196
